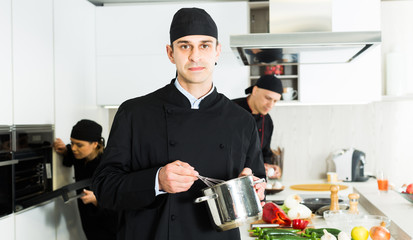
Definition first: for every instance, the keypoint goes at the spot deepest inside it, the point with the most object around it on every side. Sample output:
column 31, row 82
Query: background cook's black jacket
column 265, row 128
column 219, row 140
column 97, row 223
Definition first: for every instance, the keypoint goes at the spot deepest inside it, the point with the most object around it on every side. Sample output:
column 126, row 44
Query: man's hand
column 272, row 171
column 177, row 177
column 259, row 187
column 89, row 197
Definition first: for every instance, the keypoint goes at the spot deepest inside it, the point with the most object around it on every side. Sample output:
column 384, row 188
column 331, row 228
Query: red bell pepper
column 272, row 213
column 300, row 224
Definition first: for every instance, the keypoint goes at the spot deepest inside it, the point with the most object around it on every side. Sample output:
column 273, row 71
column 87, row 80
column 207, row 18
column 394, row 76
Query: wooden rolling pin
column 334, row 198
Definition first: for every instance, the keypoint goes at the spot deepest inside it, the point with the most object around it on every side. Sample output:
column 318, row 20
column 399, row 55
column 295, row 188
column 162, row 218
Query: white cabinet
column 356, row 82
column 7, row 227
column 6, row 96
column 131, row 48
column 33, row 88
column 37, row 223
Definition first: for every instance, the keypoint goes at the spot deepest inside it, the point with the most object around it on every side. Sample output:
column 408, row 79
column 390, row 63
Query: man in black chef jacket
column 160, row 142
column 262, row 97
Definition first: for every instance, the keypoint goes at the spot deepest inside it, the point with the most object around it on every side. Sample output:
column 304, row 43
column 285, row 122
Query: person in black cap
column 85, row 153
column 262, row 97
column 161, row 142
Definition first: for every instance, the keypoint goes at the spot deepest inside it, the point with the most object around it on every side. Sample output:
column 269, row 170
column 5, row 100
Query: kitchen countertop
column 390, row 204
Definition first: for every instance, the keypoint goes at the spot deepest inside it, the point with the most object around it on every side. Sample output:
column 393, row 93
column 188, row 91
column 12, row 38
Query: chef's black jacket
column 219, row 140
column 97, row 223
column 265, row 128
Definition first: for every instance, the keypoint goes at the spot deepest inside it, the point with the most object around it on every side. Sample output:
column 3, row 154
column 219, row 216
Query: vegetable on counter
column 343, row 236
column 319, row 232
column 328, row 236
column 262, row 233
column 359, row 233
column 300, row 224
column 271, row 213
column 380, row 232
column 299, row 211
column 294, row 209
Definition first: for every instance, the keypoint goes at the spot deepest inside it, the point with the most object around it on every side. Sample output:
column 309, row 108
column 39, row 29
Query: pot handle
column 204, row 198
column 258, row 181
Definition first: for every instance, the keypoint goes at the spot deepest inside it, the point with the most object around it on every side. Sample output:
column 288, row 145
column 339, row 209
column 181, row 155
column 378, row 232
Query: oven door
column 32, row 147
column 6, row 173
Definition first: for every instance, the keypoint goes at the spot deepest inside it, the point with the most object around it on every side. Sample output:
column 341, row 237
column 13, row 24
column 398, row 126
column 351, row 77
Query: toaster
column 349, row 165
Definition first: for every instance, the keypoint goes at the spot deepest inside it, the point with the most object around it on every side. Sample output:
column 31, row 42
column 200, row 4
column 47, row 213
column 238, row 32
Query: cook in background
column 159, row 142
column 85, row 153
column 262, row 97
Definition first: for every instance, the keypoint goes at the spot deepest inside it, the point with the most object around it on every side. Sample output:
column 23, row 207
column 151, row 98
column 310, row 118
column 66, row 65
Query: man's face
column 194, row 57
column 263, row 100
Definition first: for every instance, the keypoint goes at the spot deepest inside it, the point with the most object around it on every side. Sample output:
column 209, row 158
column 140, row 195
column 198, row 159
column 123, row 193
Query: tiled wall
column 309, row 134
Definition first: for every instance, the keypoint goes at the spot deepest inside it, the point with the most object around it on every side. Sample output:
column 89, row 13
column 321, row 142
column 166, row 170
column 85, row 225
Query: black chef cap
column 87, row 130
column 269, row 82
column 192, row 21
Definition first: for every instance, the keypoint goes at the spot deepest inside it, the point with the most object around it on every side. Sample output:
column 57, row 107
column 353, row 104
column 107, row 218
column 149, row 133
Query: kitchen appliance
column 301, row 32
column 232, row 203
column 349, row 165
column 32, row 173
column 6, row 172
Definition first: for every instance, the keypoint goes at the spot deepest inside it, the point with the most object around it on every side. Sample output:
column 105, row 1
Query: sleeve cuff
column 157, row 191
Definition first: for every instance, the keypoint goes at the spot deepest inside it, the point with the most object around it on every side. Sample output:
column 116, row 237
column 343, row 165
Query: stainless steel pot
column 233, row 202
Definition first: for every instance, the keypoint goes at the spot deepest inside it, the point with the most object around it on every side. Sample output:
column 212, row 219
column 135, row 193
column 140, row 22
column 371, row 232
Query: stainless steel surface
column 232, row 203
column 302, row 48
column 301, row 35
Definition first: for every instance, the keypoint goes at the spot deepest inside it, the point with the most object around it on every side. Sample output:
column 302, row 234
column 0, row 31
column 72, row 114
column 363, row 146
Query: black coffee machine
column 349, row 165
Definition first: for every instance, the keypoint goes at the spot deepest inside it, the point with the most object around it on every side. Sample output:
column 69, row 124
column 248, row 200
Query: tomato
column 409, row 188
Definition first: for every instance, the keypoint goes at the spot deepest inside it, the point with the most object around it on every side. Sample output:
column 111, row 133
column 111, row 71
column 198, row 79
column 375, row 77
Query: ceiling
column 107, row 2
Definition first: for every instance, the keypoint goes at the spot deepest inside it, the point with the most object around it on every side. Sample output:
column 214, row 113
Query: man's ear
column 169, row 52
column 218, row 52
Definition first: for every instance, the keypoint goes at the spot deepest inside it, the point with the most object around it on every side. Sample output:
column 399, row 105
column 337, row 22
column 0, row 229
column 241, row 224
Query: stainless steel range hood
column 303, row 47
column 299, row 38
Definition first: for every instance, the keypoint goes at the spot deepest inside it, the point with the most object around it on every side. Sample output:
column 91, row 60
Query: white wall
column 397, row 37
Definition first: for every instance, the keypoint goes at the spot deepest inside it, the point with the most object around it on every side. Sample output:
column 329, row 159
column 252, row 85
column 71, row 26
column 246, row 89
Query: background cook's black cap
column 192, row 21
column 269, row 82
column 87, row 130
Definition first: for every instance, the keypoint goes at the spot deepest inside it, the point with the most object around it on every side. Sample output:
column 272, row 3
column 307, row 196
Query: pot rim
column 228, row 181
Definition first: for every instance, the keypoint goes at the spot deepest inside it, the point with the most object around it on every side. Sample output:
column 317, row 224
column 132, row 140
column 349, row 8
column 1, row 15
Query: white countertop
column 390, row 204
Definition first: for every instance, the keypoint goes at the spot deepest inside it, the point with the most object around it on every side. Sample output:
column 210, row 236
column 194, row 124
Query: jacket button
column 173, row 217
column 172, row 143
column 169, row 111
column 221, row 146
column 259, row 130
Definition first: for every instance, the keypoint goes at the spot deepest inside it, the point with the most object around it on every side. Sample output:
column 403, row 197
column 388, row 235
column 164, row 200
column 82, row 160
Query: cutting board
column 316, row 187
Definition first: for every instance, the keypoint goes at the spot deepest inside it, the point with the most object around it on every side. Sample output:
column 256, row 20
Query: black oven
column 32, row 175
column 6, row 171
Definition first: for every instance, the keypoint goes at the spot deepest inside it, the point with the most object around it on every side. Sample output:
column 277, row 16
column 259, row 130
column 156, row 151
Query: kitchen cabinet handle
column 10, row 162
